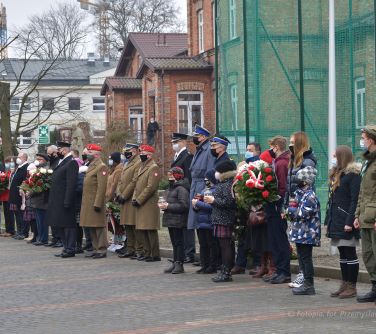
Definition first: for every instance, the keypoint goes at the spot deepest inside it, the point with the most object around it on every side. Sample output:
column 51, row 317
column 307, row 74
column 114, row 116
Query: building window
column 16, row 102
column 200, row 17
column 24, row 140
column 48, row 104
column 136, row 122
column 232, row 13
column 189, row 111
column 98, row 104
column 74, row 103
column 360, row 102
column 234, row 106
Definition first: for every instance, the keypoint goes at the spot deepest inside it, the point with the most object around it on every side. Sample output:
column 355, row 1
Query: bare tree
column 126, row 16
column 60, row 31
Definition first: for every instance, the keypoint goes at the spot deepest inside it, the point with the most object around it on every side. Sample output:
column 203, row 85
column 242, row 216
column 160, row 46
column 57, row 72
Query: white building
column 62, row 97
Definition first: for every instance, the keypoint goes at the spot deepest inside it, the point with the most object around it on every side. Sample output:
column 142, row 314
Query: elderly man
column 218, row 148
column 93, row 202
column 145, row 200
column 52, row 156
column 365, row 214
column 124, row 193
column 61, row 212
column 15, row 200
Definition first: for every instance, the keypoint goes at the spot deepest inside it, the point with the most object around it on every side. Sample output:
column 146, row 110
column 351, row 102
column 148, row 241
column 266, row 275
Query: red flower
column 265, row 194
column 269, row 178
column 239, row 177
column 39, row 183
column 268, row 170
column 251, row 167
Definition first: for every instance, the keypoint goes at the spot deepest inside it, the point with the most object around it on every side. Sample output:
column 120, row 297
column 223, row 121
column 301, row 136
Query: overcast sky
column 18, row 11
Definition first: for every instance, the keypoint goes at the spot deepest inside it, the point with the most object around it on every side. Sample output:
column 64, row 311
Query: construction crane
column 100, row 7
column 3, row 32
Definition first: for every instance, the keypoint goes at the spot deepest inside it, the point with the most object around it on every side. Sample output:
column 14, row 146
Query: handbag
column 256, row 217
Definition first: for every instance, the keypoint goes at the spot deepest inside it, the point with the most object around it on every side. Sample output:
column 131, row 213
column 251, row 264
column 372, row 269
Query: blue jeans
column 41, row 225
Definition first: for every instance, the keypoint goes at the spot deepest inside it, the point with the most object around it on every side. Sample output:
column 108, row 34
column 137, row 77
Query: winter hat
column 265, row 156
column 307, row 174
column 210, row 175
column 225, row 166
column 177, row 173
column 115, row 156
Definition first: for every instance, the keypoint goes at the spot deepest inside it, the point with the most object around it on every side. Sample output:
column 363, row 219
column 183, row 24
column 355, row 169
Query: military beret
column 147, row 148
column 93, row 147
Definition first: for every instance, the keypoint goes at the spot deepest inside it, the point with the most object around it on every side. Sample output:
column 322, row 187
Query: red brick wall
column 134, row 65
column 193, row 7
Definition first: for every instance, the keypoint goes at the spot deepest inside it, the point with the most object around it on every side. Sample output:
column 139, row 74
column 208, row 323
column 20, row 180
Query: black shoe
column 178, row 269
column 141, row 258
column 280, row 279
column 148, row 259
column 57, row 245
column 39, row 243
column 152, row 259
column 369, row 297
column 189, row 260
column 169, row 269
column 79, row 250
column 126, row 254
column 100, row 256
column 50, row 244
column 305, row 289
column 210, row 270
column 121, row 250
column 90, row 254
column 59, row 254
column 65, row 255
column 267, row 278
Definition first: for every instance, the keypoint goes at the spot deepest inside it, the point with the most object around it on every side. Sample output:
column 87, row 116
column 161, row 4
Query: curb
column 320, row 271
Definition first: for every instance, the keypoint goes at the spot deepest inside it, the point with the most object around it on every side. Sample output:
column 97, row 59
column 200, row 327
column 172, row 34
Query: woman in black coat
column 175, row 216
column 344, row 187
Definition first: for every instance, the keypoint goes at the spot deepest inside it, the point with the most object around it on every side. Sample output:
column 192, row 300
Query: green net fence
column 273, row 80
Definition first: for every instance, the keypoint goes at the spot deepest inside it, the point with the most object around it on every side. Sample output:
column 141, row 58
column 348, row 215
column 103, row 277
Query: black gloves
column 97, row 209
column 135, row 203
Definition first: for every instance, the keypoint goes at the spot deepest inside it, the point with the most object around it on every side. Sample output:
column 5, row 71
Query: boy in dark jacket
column 175, row 216
column 208, row 245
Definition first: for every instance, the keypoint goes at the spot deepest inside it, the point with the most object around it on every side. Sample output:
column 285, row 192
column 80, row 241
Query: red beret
column 265, row 156
column 93, row 147
column 147, row 148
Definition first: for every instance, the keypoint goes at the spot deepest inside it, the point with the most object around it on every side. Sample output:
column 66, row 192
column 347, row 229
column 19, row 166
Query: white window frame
column 134, row 113
column 27, row 105
column 200, row 25
column 23, row 137
column 232, row 19
column 189, row 105
column 234, row 104
column 360, row 115
column 96, row 104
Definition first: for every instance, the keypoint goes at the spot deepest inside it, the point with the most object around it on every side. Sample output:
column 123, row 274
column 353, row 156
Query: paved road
column 43, row 294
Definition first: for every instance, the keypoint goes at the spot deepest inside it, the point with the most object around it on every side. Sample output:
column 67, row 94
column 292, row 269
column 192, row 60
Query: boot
column 170, row 268
column 305, row 289
column 368, row 297
column 263, row 269
column 223, row 276
column 341, row 288
column 178, row 268
column 349, row 292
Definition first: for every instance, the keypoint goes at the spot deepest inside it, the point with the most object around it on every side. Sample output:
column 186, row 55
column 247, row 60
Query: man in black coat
column 15, row 200
column 183, row 159
column 61, row 212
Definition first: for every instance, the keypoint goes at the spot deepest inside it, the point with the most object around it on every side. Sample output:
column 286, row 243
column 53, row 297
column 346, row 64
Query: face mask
column 60, row 155
column 127, row 155
column 7, row 165
column 362, row 145
column 143, row 157
column 175, row 147
column 171, row 181
column 110, row 162
column 214, row 152
column 52, row 157
column 334, row 162
column 84, row 157
column 272, row 153
column 196, row 141
column 36, row 163
column 19, row 161
column 217, row 175
column 248, row 155
column 291, row 148
column 12, row 165
column 90, row 157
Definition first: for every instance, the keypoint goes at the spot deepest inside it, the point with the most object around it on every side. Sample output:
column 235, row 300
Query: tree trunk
column 6, row 132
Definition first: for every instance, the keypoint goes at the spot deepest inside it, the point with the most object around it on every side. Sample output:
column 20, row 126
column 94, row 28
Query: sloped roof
column 152, row 45
column 121, row 83
column 174, row 63
column 76, row 71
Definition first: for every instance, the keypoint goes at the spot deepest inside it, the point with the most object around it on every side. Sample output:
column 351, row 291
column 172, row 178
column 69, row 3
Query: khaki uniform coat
column 146, row 194
column 126, row 189
column 112, row 182
column 93, row 194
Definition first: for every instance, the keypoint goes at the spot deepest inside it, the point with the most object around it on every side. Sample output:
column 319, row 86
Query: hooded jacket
column 342, row 204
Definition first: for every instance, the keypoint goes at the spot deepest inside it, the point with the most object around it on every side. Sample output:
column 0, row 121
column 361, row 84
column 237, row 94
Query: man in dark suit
column 61, row 212
column 15, row 200
column 183, row 159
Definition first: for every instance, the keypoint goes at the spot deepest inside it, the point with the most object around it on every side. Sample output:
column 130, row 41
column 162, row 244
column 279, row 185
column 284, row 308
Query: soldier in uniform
column 124, row 197
column 93, row 202
column 61, row 211
column 145, row 200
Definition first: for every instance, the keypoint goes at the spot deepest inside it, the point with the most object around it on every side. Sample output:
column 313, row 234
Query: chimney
column 91, row 58
column 106, row 61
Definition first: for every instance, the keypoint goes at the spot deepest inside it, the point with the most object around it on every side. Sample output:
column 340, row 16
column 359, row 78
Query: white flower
column 43, row 170
column 83, row 169
column 32, row 171
column 50, row 171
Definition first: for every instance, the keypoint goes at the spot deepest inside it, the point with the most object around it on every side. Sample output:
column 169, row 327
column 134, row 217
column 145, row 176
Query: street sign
column 44, row 134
